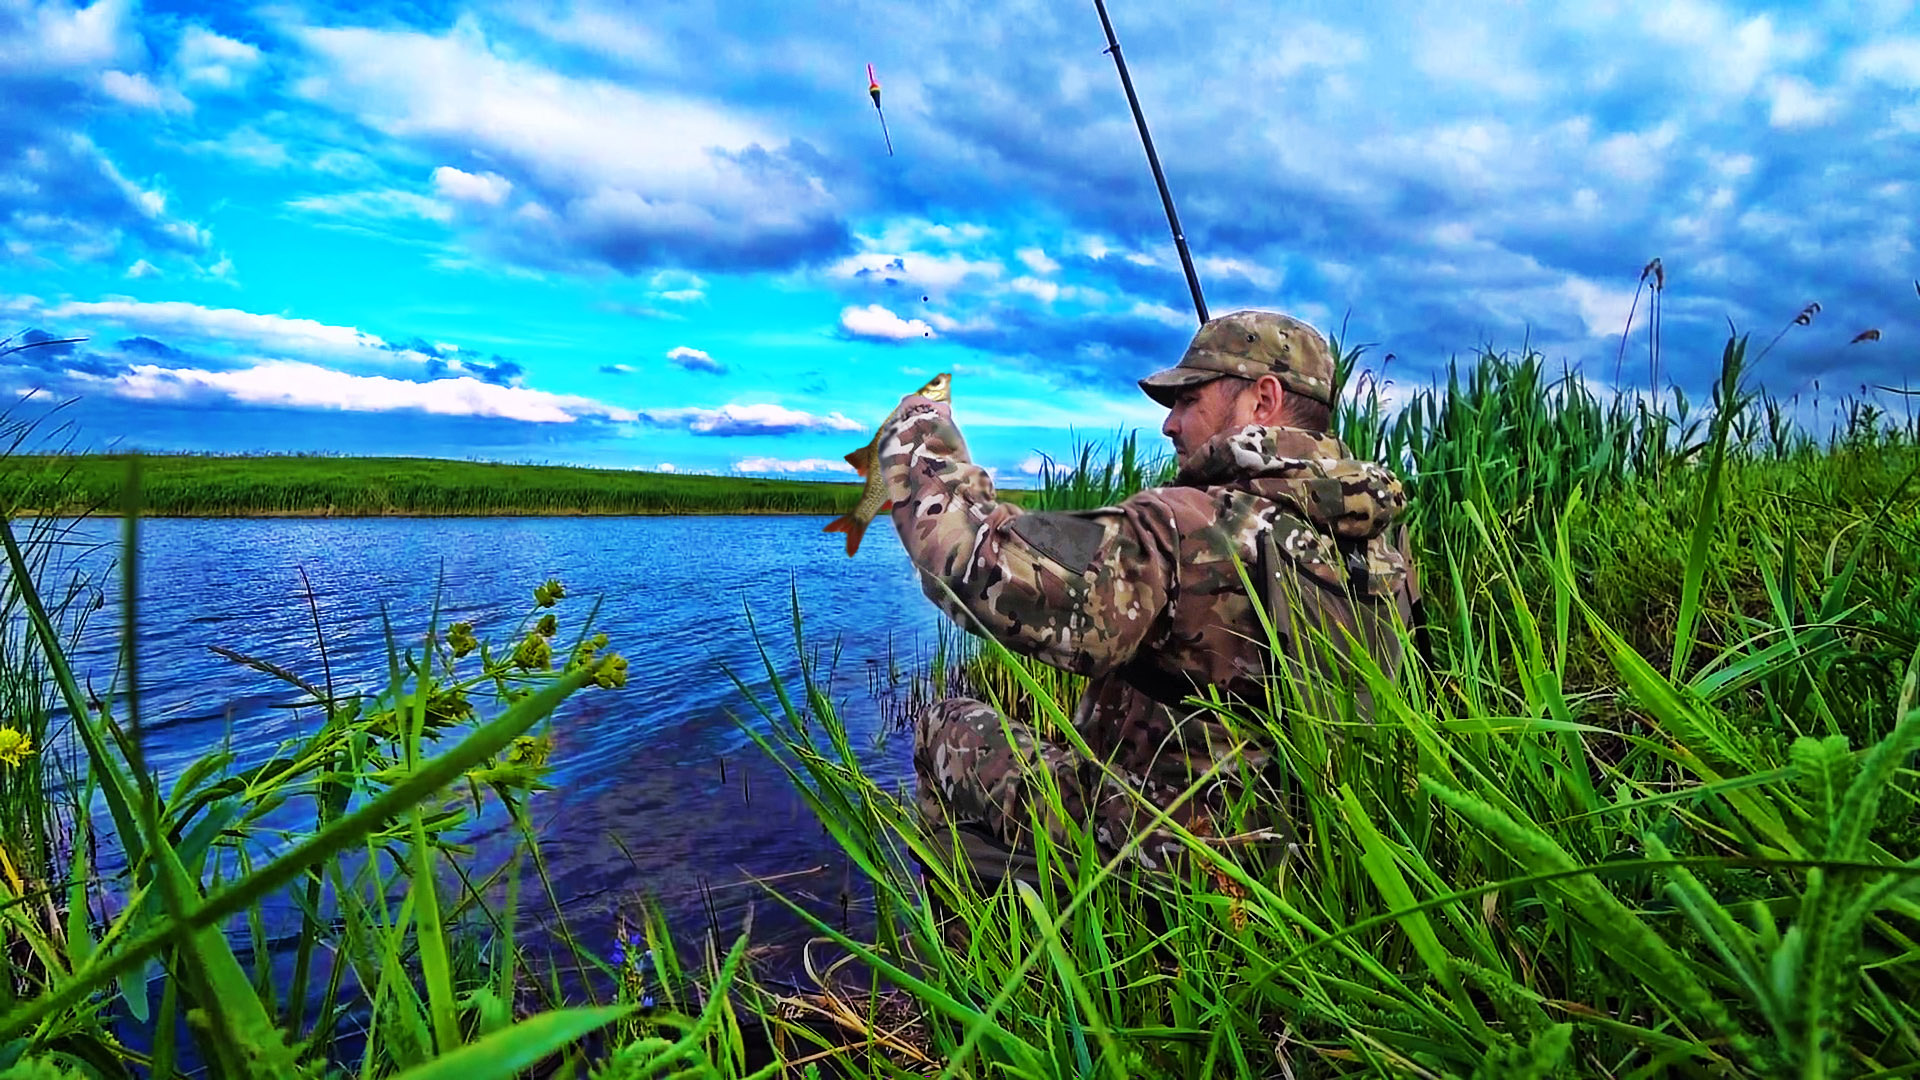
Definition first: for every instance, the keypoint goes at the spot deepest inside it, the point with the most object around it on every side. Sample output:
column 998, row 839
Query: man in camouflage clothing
column 1145, row 598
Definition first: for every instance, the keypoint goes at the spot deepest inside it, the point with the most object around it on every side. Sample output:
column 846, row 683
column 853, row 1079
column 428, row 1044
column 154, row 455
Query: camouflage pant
column 978, row 768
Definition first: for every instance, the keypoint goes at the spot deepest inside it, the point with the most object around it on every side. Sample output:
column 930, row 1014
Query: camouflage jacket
column 1144, row 597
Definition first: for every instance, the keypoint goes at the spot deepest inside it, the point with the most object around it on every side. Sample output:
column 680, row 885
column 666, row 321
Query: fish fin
column 861, row 460
column 853, row 528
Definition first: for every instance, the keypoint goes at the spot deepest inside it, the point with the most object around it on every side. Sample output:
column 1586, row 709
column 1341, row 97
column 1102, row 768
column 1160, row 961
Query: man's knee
column 973, row 759
column 959, row 731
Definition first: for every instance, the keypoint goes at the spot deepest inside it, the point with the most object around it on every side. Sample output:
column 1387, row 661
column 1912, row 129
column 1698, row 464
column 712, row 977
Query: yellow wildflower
column 533, row 652
column 15, row 745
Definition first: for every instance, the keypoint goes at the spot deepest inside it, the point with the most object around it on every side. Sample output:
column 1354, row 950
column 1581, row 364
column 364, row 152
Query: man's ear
column 1270, row 400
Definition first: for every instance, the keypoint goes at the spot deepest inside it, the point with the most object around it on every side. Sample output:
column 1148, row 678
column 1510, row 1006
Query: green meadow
column 194, row 485
column 1646, row 806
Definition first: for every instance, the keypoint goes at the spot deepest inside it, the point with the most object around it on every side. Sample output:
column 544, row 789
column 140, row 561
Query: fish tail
column 852, row 526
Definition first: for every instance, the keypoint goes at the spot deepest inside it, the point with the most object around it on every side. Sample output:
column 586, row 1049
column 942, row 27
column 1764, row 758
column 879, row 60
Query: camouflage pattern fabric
column 976, row 767
column 1250, row 344
column 1144, row 599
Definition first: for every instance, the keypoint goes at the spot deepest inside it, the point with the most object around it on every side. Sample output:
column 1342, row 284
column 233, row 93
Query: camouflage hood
column 1314, row 473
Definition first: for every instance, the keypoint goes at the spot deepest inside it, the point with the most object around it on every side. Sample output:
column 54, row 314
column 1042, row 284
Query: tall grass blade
column 504, row 1054
column 1707, row 517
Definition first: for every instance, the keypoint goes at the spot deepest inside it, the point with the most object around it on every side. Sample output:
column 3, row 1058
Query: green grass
column 401, row 934
column 185, row 485
column 1649, row 812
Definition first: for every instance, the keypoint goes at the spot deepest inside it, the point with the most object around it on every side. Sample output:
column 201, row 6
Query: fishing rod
column 1153, row 160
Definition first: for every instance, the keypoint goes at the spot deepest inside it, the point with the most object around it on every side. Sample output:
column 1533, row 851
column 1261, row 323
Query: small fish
column 873, row 498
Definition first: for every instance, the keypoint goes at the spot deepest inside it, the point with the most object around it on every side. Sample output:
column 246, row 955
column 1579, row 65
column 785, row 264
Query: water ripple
column 640, row 803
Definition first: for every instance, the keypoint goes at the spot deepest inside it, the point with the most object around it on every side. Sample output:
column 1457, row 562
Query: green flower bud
column 460, row 638
column 611, row 672
column 530, row 750
column 533, row 652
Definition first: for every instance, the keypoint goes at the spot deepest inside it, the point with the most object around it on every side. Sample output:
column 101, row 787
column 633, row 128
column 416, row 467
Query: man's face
column 1201, row 412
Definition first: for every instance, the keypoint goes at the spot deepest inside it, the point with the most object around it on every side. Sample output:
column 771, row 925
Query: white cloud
column 249, row 145
column 695, row 360
column 782, row 465
column 1732, row 166
column 665, row 466
column 1450, row 49
column 599, row 30
column 487, row 189
column 1217, row 266
column 140, row 92
column 385, row 203
column 1451, row 234
column 1730, row 58
column 1044, row 291
column 1306, row 44
column 633, row 175
column 1637, row 156
column 295, row 384
column 345, row 163
column 905, row 234
column 143, row 269
column 1163, row 313
column 677, row 286
column 874, row 321
column 56, row 36
column 762, row 419
column 1093, row 247
column 1895, row 61
column 1037, row 260
column 947, row 324
column 676, row 279
column 210, row 60
column 1797, row 104
column 221, row 324
column 1602, row 309
column 932, row 273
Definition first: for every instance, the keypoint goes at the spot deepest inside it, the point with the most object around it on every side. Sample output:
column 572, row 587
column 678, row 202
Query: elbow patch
column 1072, row 540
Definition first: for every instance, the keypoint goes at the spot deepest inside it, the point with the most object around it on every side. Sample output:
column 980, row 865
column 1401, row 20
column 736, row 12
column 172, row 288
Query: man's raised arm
column 1080, row 591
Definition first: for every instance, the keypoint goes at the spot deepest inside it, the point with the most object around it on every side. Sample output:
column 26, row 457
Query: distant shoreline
column 208, row 486
column 541, row 512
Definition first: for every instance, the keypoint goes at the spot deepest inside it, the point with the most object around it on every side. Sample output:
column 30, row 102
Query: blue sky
column 670, row 235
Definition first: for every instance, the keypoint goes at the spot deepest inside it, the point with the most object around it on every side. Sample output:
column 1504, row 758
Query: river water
column 640, row 804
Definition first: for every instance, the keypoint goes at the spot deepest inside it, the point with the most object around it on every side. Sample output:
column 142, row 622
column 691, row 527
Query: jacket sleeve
column 1081, row 591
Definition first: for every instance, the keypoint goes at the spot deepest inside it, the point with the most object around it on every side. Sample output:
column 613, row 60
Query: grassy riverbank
column 192, row 485
column 1649, row 811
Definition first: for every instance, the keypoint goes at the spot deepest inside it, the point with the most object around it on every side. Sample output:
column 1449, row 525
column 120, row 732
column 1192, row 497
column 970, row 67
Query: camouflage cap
column 1250, row 344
